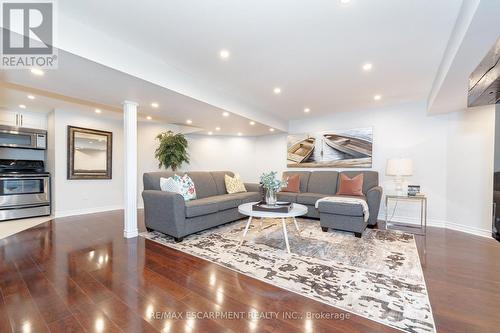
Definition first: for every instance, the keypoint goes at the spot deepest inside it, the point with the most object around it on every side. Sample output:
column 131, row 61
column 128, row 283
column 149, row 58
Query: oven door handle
column 23, row 178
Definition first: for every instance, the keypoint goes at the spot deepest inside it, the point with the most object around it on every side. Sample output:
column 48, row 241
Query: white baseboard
column 400, row 219
column 66, row 213
column 468, row 229
column 441, row 224
column 131, row 233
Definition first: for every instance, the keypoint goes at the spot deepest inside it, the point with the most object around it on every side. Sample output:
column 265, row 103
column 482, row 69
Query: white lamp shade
column 399, row 167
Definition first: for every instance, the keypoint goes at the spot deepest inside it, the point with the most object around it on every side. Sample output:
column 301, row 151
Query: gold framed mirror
column 90, row 153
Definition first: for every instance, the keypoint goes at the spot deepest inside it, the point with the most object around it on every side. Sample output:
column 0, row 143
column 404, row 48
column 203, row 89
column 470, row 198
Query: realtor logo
column 28, row 35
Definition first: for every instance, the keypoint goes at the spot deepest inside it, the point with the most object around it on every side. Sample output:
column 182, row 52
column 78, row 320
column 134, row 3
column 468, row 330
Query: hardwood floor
column 78, row 274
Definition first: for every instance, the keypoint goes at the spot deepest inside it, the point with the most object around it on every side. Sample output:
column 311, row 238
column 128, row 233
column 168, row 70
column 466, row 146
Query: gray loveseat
column 168, row 213
column 315, row 185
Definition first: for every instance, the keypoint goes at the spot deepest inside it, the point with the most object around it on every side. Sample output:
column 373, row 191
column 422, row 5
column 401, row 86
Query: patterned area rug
column 377, row 276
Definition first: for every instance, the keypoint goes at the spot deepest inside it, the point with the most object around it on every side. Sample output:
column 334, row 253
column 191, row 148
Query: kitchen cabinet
column 24, row 119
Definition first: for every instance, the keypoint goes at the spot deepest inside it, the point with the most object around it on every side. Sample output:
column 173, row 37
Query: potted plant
column 172, row 151
column 272, row 185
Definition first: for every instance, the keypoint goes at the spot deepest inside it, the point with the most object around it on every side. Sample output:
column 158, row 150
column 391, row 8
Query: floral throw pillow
column 186, row 185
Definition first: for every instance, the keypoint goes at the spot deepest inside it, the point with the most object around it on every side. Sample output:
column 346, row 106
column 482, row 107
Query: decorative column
column 130, row 229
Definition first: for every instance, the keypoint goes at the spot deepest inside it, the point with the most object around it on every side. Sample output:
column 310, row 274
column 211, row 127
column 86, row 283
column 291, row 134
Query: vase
column 271, row 197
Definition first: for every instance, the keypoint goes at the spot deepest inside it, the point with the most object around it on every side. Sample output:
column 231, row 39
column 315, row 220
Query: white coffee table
column 297, row 210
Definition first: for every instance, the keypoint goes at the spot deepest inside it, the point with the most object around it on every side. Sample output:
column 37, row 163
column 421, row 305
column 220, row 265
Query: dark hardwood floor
column 79, row 274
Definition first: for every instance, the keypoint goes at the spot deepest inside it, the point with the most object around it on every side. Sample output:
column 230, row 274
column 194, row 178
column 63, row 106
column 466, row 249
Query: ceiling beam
column 96, row 46
column 476, row 29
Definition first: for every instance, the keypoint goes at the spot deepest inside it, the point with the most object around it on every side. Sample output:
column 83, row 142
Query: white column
column 130, row 165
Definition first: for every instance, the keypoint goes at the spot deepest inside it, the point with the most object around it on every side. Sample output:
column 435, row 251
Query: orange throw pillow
column 351, row 186
column 293, row 184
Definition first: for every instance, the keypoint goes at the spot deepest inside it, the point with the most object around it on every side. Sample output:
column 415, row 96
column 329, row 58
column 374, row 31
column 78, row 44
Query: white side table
column 421, row 200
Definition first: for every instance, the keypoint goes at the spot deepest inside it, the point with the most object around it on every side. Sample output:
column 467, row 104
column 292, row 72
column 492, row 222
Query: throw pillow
column 351, row 186
column 170, row 185
column 234, row 184
column 293, row 184
column 188, row 191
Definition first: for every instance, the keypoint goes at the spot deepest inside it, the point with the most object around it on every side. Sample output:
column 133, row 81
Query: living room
column 265, row 166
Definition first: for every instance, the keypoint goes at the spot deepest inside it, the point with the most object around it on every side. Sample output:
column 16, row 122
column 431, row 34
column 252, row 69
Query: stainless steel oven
column 24, row 189
column 20, row 137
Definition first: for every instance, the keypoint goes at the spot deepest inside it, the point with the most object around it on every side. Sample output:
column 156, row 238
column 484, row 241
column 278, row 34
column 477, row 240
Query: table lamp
column 399, row 168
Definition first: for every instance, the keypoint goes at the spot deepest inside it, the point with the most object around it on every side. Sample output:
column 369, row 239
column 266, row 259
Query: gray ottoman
column 342, row 216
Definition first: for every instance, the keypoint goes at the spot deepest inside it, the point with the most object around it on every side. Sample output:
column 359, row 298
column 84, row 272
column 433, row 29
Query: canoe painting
column 353, row 146
column 331, row 149
column 301, row 150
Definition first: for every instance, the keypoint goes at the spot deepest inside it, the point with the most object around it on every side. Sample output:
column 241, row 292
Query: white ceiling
column 80, row 84
column 313, row 50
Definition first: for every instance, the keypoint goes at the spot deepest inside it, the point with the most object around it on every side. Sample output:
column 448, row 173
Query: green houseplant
column 172, row 151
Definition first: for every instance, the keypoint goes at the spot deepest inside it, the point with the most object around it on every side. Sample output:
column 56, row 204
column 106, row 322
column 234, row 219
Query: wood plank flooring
column 78, row 274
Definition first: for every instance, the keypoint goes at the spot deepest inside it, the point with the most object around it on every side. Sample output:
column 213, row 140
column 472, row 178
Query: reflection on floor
column 78, row 274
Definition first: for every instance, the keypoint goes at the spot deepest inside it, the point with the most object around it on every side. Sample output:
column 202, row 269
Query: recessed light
column 271, row 129
column 22, row 106
column 149, row 117
column 252, row 123
column 210, row 133
column 31, row 97
column 189, row 121
column 37, row 71
column 154, row 105
column 224, row 54
column 240, row 134
column 97, row 111
column 367, row 67
column 217, row 128
column 344, row 2
column 277, row 90
column 307, row 110
column 225, row 114
column 377, row 97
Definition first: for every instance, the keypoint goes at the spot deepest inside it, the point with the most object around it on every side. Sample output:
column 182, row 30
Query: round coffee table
column 297, row 210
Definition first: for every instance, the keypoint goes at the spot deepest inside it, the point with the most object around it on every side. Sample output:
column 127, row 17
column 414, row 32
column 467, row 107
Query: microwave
column 20, row 137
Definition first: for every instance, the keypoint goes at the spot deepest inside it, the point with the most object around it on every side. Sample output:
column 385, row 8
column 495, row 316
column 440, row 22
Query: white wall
column 497, row 139
column 271, row 153
column 470, row 169
column 83, row 196
column 453, row 158
column 223, row 153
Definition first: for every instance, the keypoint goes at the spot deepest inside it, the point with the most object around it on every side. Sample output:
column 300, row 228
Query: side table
column 421, row 200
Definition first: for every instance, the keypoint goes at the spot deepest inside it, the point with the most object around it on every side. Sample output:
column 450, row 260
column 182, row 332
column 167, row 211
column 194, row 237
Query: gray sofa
column 315, row 185
column 168, row 213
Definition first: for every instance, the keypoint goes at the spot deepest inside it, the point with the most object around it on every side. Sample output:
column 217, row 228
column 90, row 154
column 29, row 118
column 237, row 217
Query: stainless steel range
column 24, row 189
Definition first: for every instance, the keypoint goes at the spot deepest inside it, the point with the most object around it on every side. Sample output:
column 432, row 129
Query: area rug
column 377, row 276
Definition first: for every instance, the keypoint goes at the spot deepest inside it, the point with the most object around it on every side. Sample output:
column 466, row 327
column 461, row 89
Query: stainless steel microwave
column 20, row 137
